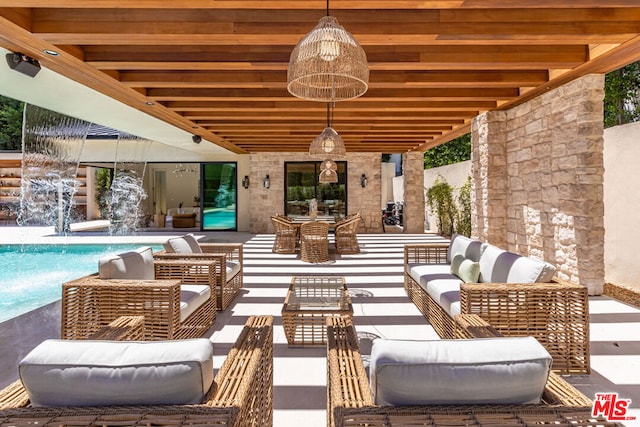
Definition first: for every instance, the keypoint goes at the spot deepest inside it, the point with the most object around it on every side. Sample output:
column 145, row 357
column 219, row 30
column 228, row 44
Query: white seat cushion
column 104, row 373
column 446, row 292
column 133, row 265
column 233, row 268
column 424, row 273
column 186, row 244
column 192, row 297
column 511, row 370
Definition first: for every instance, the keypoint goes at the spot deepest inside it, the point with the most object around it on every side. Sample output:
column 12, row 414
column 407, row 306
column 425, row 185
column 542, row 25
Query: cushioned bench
column 517, row 295
column 354, row 401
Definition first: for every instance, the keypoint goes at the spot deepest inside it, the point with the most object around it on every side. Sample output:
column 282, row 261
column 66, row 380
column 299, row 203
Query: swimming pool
column 219, row 219
column 32, row 275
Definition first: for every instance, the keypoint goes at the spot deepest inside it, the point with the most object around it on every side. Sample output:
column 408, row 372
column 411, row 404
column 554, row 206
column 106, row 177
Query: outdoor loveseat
column 516, row 295
column 241, row 393
column 351, row 401
column 228, row 257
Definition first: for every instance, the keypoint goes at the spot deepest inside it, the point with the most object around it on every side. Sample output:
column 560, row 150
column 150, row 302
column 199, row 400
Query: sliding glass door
column 302, row 185
column 219, row 194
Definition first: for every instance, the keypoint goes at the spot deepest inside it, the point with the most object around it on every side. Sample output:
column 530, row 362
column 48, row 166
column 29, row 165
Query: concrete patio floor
column 381, row 308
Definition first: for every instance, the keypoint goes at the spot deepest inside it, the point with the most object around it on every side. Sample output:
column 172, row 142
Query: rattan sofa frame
column 242, row 394
column 227, row 289
column 350, row 401
column 556, row 313
column 90, row 303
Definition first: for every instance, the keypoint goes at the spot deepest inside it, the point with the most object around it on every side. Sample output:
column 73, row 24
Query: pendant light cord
column 327, row 7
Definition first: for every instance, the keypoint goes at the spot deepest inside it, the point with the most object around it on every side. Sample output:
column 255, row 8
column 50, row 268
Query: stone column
column 413, row 171
column 538, row 180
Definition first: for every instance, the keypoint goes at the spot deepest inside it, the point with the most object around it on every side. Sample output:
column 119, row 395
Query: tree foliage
column 453, row 214
column 10, row 124
column 622, row 95
column 454, row 151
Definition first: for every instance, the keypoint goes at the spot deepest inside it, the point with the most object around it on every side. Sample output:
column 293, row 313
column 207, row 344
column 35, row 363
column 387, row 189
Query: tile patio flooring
column 381, row 308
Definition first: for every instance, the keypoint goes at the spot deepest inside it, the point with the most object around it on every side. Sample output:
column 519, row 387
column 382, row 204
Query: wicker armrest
column 556, row 313
column 234, row 251
column 245, row 379
column 426, row 253
column 191, row 271
column 124, row 328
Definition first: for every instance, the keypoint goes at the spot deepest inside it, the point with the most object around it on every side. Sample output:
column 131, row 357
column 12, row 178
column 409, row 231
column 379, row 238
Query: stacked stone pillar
column 538, row 180
column 413, row 210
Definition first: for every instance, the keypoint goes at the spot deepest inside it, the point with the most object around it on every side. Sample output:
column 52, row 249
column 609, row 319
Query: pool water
column 219, row 219
column 31, row 276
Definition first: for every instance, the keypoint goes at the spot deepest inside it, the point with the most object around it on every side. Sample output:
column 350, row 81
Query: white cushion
column 192, row 297
column 446, row 292
column 186, row 244
column 424, row 273
column 133, row 265
column 512, row 370
column 500, row 266
column 470, row 248
column 101, row 373
column 233, row 268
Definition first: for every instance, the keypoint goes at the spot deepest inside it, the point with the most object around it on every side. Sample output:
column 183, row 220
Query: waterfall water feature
column 127, row 191
column 51, row 147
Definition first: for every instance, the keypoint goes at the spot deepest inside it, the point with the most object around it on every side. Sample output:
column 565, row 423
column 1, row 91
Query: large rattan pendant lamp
column 328, row 64
column 328, row 145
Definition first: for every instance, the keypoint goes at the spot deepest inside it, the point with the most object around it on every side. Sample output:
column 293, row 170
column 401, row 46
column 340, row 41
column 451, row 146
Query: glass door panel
column 219, row 194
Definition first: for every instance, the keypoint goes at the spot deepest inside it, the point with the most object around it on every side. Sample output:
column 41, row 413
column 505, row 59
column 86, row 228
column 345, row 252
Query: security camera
column 196, row 139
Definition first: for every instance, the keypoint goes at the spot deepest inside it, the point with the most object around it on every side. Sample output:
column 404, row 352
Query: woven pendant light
column 328, row 143
column 328, row 176
column 328, row 64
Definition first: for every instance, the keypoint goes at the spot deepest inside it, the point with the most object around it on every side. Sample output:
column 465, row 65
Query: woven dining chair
column 314, row 241
column 286, row 235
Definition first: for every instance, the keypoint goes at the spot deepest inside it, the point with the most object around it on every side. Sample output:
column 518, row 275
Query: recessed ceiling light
column 150, row 103
column 51, row 52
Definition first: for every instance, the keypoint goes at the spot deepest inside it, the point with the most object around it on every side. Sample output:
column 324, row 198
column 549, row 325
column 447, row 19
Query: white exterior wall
column 622, row 205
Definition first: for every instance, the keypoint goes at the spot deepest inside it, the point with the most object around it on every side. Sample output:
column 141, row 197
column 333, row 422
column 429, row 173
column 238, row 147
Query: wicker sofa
column 228, row 257
column 241, row 395
column 176, row 297
column 350, row 401
column 554, row 311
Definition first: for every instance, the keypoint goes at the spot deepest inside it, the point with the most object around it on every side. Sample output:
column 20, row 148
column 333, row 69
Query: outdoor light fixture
column 245, row 181
column 328, row 64
column 328, row 176
column 266, row 182
column 328, row 143
column 363, row 180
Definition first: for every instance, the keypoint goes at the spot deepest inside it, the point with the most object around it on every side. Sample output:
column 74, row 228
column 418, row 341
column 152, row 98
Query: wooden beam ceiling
column 218, row 68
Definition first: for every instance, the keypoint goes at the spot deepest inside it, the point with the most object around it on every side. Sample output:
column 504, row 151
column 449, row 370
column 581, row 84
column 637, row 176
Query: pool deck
column 381, row 308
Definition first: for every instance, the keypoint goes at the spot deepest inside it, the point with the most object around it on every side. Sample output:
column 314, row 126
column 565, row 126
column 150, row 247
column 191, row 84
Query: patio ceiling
column 217, row 68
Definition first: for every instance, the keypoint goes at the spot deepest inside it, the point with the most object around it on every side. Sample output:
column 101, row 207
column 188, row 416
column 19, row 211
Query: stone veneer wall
column 413, row 209
column 538, row 180
column 267, row 202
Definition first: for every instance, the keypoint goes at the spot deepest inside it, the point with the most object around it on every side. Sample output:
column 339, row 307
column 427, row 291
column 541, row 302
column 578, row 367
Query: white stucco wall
column 622, row 204
column 455, row 175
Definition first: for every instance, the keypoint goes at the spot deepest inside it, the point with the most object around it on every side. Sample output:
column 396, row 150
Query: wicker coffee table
column 310, row 300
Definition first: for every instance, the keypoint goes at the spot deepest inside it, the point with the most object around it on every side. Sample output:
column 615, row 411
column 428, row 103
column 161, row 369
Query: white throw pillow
column 468, row 271
column 186, row 244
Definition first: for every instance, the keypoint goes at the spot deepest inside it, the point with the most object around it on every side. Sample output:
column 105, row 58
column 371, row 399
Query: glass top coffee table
column 310, row 300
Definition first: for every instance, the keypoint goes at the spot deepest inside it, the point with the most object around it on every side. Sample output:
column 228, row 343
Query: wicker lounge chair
column 229, row 266
column 91, row 303
column 555, row 313
column 242, row 393
column 314, row 241
column 286, row 232
column 346, row 235
column 350, row 400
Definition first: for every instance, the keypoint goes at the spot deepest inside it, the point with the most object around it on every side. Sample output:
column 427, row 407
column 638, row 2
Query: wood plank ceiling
column 217, row 68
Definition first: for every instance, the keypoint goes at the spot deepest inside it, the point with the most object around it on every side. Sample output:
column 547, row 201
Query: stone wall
column 267, row 202
column 413, row 209
column 538, row 180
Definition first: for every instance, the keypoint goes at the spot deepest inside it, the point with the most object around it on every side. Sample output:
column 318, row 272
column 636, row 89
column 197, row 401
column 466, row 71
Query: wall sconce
column 363, row 180
column 245, row 181
column 266, row 182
